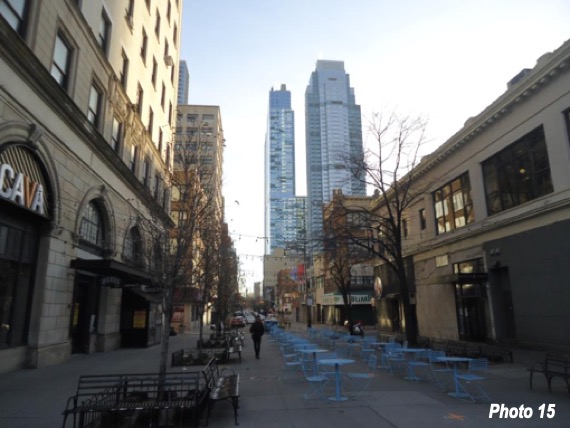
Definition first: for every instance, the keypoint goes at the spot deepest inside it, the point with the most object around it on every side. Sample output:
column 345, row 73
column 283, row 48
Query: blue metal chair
column 470, row 382
column 357, row 382
column 439, row 369
column 316, row 381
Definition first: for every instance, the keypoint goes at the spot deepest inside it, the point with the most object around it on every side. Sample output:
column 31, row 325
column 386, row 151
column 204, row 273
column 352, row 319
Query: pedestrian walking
column 257, row 330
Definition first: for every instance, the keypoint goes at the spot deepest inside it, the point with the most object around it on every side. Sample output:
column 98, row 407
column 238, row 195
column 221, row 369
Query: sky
column 443, row 59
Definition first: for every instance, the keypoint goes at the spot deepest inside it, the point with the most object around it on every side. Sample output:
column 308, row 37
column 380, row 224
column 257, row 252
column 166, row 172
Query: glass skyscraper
column 333, row 134
column 284, row 212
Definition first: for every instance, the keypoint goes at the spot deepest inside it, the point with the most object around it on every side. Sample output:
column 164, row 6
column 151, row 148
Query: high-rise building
column 87, row 94
column 333, row 134
column 183, row 83
column 284, row 212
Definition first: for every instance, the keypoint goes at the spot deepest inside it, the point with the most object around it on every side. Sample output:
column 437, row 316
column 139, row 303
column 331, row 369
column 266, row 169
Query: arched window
column 91, row 228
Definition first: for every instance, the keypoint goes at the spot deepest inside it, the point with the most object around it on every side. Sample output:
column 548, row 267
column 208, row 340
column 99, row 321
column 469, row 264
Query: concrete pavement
column 271, row 396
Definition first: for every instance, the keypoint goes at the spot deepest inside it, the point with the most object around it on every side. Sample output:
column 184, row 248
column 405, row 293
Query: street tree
column 390, row 168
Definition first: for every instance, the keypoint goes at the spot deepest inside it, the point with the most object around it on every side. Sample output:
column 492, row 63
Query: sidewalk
column 271, row 396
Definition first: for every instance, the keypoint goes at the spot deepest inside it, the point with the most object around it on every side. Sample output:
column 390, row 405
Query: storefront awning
column 112, row 272
column 151, row 297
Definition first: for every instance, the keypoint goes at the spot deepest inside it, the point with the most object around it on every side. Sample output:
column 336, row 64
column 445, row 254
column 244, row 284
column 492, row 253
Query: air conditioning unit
column 168, row 61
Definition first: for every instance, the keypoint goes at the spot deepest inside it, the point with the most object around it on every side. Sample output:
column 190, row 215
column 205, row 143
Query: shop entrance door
column 83, row 314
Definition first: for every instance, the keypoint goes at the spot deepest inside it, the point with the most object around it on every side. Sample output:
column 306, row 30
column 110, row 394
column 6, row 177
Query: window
column 175, row 35
column 130, row 9
column 154, row 72
column 150, row 122
column 453, row 204
column 567, row 118
column 94, row 109
column 140, row 98
column 15, row 12
column 168, row 10
column 133, row 246
column 156, row 186
column 191, row 118
column 124, row 71
column 146, row 173
column 133, row 158
column 517, row 174
column 163, row 95
column 172, row 73
column 61, row 61
column 160, row 140
column 144, row 45
column 147, row 4
column 91, row 228
column 104, row 32
column 116, row 135
column 157, row 24
column 423, row 223
column 405, row 230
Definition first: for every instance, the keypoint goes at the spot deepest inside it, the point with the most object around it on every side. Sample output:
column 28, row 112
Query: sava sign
column 22, row 190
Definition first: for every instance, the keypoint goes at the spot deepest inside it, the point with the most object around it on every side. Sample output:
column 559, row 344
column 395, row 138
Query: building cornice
column 548, row 68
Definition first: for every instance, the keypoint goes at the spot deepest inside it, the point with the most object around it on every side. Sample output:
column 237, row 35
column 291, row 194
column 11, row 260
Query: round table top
column 451, row 359
column 338, row 361
column 308, row 351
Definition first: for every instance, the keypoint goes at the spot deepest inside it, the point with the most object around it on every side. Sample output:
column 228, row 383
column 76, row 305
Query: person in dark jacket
column 257, row 329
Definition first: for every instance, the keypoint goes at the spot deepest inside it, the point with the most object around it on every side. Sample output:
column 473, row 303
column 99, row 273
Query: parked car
column 237, row 321
column 270, row 321
column 249, row 318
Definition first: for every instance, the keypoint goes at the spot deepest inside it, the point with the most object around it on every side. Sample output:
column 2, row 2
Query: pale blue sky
column 445, row 59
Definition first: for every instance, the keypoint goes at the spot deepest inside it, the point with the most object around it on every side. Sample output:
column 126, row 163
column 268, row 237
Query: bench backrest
column 557, row 363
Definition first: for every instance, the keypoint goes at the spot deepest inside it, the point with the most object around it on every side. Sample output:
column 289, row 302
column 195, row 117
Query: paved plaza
column 272, row 396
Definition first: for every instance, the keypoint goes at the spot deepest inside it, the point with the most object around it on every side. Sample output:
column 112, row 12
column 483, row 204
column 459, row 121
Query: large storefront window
column 517, row 174
column 17, row 261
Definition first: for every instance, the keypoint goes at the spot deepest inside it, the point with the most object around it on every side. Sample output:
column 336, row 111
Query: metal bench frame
column 223, row 385
column 553, row 366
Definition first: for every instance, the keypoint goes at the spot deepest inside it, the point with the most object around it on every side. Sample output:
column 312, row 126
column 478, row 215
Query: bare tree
column 390, row 169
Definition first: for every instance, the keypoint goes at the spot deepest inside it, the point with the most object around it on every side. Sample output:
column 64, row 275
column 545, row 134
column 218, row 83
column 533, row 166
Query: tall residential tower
column 333, row 133
column 284, row 213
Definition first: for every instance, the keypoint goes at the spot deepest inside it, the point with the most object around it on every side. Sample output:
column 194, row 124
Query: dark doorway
column 503, row 308
column 470, row 303
column 84, row 313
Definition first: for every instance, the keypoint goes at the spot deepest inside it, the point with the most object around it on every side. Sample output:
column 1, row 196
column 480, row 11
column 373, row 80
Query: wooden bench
column 554, row 365
column 108, row 400
column 222, row 385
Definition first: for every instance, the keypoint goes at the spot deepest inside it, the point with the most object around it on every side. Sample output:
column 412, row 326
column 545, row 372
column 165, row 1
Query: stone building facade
column 87, row 97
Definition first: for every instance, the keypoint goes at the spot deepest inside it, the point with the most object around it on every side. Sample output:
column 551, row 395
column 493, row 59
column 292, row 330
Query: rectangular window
column 133, row 159
column 144, row 45
column 15, row 12
column 140, row 99
column 154, row 72
column 405, row 230
column 146, row 173
column 156, row 187
column 157, row 25
column 116, row 135
column 124, row 70
column 104, row 32
column 160, row 137
column 94, row 108
column 453, row 204
column 150, row 121
column 163, row 96
column 423, row 223
column 175, row 35
column 518, row 173
column 168, row 10
column 147, row 4
column 61, row 61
